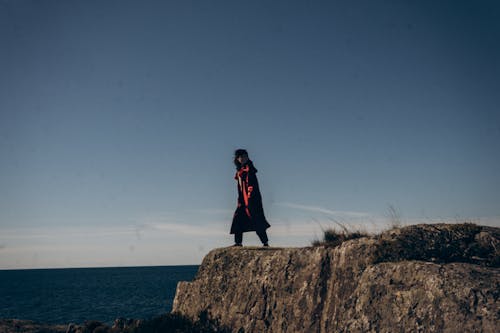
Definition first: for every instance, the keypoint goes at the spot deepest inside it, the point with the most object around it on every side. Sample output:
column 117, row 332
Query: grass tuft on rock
column 439, row 243
column 333, row 237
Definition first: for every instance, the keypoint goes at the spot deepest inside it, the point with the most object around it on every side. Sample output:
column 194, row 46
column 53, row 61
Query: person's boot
column 265, row 245
column 237, row 244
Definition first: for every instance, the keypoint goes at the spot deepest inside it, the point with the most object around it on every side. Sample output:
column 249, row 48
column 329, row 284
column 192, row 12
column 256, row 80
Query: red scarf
column 242, row 178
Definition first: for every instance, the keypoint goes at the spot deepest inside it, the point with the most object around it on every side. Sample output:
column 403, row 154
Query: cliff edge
column 420, row 278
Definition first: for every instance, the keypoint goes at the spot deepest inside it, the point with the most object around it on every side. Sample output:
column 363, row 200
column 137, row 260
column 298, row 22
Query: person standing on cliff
column 249, row 215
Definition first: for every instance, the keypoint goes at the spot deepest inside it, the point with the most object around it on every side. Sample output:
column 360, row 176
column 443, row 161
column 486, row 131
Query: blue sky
column 118, row 121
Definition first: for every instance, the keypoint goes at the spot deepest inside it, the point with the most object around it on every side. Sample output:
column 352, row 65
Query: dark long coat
column 249, row 215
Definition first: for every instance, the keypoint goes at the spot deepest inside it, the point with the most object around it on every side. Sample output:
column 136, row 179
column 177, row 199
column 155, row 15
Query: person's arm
column 252, row 184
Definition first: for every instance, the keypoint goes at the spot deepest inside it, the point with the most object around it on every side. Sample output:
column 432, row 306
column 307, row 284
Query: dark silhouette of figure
column 249, row 215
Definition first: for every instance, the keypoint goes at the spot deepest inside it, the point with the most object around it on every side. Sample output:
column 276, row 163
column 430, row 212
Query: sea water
column 60, row 296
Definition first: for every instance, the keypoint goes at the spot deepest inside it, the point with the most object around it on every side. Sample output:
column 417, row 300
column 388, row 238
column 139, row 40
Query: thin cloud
column 208, row 228
column 214, row 211
column 318, row 209
column 212, row 229
column 58, row 231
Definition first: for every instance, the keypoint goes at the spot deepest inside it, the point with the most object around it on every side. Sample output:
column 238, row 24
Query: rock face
column 421, row 278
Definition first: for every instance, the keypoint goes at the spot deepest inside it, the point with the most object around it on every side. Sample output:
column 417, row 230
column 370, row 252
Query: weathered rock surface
column 421, row 278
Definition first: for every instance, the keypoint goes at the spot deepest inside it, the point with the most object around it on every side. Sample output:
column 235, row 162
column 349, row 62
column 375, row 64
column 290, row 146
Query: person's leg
column 238, row 238
column 263, row 237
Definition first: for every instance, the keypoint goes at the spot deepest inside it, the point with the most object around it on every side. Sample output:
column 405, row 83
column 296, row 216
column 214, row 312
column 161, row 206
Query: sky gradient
column 118, row 121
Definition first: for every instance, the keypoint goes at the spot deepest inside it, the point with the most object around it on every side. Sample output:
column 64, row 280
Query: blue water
column 80, row 294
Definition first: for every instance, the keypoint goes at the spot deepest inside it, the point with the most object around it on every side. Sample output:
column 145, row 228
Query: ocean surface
column 79, row 294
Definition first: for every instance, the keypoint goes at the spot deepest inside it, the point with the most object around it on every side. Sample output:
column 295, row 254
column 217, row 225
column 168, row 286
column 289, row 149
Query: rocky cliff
column 421, row 278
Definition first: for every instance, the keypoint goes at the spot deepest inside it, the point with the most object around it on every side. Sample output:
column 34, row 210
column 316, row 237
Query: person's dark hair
column 238, row 153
